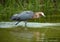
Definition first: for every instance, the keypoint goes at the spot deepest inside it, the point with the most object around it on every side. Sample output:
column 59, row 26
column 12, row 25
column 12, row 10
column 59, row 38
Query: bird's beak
column 44, row 16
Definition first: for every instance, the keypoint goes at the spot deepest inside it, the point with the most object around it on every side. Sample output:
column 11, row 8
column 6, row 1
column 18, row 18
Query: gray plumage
column 23, row 16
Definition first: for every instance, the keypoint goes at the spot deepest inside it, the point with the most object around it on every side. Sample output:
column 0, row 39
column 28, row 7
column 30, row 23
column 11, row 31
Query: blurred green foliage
column 51, row 8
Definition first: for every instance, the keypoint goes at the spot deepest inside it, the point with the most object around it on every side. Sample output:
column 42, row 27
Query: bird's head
column 39, row 14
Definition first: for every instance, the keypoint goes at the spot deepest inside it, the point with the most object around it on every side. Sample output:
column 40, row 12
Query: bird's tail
column 17, row 23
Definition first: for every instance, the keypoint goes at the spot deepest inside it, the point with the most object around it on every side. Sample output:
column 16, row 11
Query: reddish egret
column 26, row 15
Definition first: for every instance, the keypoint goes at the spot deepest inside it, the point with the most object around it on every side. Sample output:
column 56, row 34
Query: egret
column 26, row 15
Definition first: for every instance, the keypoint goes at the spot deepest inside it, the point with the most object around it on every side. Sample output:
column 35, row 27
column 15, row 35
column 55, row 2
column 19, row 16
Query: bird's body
column 26, row 15
column 23, row 16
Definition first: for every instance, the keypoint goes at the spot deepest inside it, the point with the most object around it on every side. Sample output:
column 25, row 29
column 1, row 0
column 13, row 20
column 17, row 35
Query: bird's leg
column 17, row 23
column 25, row 23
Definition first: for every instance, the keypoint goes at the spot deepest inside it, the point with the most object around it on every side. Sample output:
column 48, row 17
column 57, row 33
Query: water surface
column 29, row 24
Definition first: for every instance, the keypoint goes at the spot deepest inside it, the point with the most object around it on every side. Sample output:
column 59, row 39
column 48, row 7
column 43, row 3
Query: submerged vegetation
column 51, row 8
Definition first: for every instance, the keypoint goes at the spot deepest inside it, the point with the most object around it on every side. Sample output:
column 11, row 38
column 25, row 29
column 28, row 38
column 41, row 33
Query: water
column 29, row 24
column 23, row 35
column 27, row 36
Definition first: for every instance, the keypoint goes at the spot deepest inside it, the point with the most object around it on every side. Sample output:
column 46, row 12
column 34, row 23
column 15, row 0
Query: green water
column 19, row 34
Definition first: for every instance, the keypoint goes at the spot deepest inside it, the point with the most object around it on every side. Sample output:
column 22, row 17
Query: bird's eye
column 40, row 15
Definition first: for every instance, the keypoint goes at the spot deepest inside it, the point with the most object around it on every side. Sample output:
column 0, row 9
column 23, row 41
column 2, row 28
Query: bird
column 26, row 15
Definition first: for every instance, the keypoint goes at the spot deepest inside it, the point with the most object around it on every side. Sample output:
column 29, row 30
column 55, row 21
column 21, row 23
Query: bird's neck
column 36, row 16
